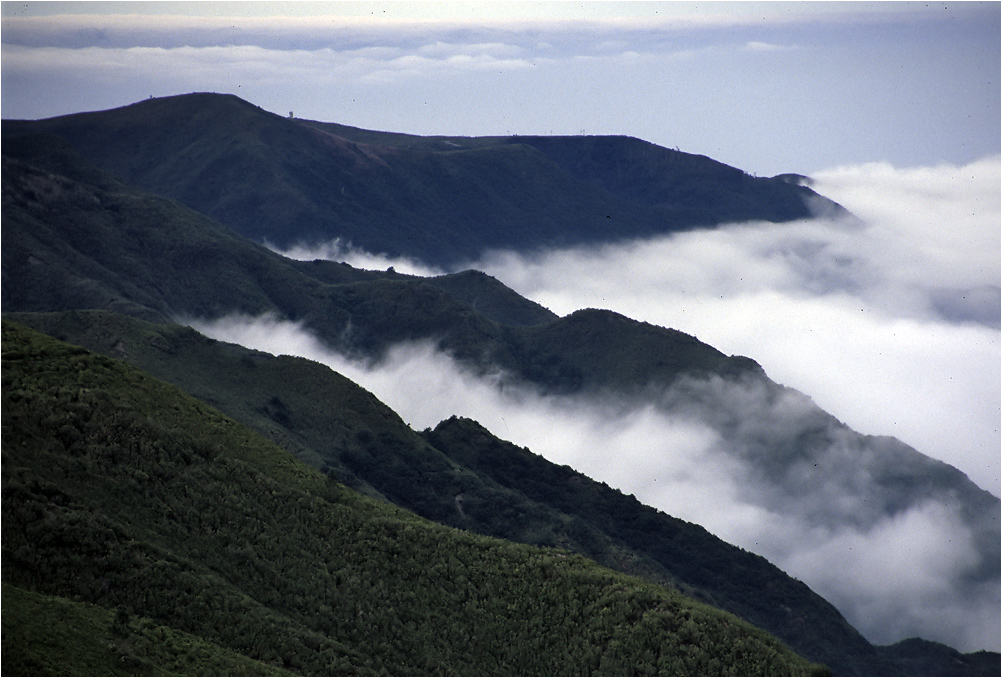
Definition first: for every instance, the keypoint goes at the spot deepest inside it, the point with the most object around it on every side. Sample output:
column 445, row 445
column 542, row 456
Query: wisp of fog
column 889, row 321
column 882, row 320
column 893, row 574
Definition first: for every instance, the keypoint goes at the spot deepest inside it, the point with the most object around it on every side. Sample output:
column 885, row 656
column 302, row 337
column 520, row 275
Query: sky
column 890, row 322
column 766, row 87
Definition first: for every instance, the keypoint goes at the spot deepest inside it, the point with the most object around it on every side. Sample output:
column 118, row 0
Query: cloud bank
column 730, row 457
column 891, row 322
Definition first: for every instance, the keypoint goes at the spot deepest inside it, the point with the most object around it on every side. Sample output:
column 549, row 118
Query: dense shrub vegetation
column 122, row 492
column 461, row 475
column 50, row 635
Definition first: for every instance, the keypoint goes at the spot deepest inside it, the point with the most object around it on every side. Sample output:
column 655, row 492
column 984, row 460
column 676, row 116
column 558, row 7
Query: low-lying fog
column 891, row 323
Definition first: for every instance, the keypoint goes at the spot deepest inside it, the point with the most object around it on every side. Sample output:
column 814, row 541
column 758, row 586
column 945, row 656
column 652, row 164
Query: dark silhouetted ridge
column 443, row 200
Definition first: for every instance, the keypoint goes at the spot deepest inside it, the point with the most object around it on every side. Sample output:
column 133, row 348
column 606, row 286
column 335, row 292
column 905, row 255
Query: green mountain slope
column 442, row 200
column 74, row 238
column 461, row 475
column 122, row 492
column 699, row 563
column 53, row 636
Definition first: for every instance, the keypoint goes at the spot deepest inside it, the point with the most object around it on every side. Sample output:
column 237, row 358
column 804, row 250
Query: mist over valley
column 808, row 370
column 760, row 466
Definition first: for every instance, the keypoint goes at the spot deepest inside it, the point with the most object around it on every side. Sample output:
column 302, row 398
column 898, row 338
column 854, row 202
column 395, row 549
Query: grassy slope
column 53, row 636
column 505, row 491
column 123, row 492
column 699, row 563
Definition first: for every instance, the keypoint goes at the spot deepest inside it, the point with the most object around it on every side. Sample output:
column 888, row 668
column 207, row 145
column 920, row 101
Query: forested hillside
column 122, row 492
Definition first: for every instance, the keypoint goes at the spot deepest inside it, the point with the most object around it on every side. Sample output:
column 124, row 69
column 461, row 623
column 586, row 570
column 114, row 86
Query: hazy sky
column 767, row 87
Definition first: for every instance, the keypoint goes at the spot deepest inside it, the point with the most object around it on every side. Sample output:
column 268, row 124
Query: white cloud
column 929, row 226
column 758, row 46
column 891, row 324
column 901, row 571
column 339, row 251
column 712, row 452
column 499, row 50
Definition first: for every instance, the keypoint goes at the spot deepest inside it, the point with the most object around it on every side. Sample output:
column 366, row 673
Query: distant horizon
column 770, row 88
column 583, row 133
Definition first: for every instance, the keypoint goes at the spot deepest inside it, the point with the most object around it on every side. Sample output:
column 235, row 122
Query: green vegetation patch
column 52, row 636
column 120, row 491
column 461, row 475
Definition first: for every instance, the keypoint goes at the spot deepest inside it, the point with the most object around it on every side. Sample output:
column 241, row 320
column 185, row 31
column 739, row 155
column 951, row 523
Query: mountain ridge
column 443, row 200
column 366, row 446
column 285, row 405
column 195, row 268
column 79, row 239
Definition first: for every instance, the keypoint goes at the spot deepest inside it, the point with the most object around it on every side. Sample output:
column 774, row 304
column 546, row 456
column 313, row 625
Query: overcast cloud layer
column 891, row 322
column 767, row 88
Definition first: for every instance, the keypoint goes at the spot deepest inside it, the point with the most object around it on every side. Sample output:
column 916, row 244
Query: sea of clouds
column 881, row 320
column 892, row 574
column 889, row 321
